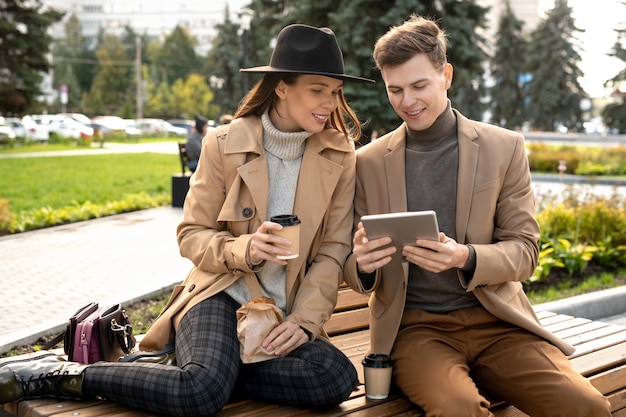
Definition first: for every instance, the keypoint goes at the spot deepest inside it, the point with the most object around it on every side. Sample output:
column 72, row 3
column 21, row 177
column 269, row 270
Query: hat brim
column 268, row 69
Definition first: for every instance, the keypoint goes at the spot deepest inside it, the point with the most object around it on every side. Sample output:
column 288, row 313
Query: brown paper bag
column 255, row 320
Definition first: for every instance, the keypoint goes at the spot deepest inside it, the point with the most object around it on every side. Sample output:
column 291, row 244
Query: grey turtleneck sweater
column 283, row 151
column 431, row 160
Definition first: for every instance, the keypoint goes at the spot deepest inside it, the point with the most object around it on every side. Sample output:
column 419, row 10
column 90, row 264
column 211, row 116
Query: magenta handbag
column 97, row 334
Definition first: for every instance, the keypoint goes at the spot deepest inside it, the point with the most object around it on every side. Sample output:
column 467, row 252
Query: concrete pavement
column 46, row 275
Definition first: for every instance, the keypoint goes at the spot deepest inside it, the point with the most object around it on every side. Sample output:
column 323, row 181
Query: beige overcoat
column 227, row 202
column 495, row 212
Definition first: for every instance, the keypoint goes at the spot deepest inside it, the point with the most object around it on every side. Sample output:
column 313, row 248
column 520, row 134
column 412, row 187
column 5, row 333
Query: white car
column 27, row 128
column 159, row 127
column 7, row 135
column 66, row 127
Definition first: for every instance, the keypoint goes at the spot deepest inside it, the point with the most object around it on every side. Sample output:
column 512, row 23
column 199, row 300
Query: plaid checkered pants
column 209, row 371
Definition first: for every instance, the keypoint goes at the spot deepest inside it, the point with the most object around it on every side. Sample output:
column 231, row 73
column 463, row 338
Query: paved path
column 46, row 275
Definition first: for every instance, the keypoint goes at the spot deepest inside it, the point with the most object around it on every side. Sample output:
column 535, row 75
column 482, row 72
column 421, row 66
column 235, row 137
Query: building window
column 92, row 8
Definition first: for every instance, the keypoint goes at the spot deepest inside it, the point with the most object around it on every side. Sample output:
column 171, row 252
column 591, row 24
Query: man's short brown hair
column 416, row 35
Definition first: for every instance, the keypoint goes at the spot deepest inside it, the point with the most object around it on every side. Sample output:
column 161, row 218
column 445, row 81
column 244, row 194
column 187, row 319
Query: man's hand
column 369, row 256
column 437, row 256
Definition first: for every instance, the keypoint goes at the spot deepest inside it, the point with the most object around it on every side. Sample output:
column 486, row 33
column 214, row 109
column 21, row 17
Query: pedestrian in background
column 194, row 141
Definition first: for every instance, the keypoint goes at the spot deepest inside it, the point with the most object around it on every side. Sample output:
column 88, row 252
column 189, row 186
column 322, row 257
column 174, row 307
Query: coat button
column 193, row 287
column 247, row 212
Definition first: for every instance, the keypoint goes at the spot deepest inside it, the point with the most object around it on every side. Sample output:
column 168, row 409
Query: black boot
column 39, row 375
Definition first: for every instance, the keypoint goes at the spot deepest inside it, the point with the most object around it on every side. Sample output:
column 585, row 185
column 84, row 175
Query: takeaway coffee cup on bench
column 291, row 231
column 377, row 369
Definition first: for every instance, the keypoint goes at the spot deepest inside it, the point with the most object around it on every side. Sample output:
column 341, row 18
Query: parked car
column 159, row 127
column 113, row 124
column 66, row 127
column 188, row 125
column 79, row 117
column 27, row 128
column 7, row 135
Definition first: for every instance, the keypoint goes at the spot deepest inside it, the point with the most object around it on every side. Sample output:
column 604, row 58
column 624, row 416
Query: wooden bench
column 600, row 356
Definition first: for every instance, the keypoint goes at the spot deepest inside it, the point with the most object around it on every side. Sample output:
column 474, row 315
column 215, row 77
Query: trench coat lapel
column 312, row 194
column 255, row 175
column 468, row 164
column 245, row 138
column 395, row 170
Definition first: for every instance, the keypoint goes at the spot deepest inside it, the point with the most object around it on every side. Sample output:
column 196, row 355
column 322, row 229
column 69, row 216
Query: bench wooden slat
column 347, row 321
column 600, row 360
column 350, row 300
column 581, row 330
column 570, row 322
column 618, row 402
column 611, row 380
column 600, row 343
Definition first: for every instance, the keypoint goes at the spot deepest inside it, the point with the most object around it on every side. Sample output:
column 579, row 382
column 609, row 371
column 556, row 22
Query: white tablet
column 403, row 228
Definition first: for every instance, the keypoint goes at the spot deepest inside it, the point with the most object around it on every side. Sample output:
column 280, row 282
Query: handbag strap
column 123, row 333
column 253, row 286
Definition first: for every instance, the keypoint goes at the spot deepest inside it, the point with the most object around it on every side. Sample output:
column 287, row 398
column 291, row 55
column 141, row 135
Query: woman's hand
column 263, row 245
column 284, row 338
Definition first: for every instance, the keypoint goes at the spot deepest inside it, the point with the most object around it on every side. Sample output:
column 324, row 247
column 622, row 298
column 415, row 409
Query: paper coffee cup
column 291, row 231
column 377, row 370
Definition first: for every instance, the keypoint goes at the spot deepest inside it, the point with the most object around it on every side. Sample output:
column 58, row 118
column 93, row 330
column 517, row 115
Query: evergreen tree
column 466, row 53
column 223, row 61
column 554, row 91
column 24, row 45
column 74, row 63
column 111, row 85
column 507, row 67
column 614, row 114
column 177, row 58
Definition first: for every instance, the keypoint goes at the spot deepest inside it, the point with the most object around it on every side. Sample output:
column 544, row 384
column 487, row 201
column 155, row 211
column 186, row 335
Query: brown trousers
column 441, row 361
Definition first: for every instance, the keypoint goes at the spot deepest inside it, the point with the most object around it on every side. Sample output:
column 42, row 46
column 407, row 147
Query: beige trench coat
column 495, row 212
column 227, row 202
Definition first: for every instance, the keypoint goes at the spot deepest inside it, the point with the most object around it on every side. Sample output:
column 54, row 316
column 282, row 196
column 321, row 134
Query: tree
column 554, row 91
column 112, row 83
column 74, row 62
column 177, row 57
column 223, row 61
column 191, row 96
column 614, row 114
column 24, row 44
column 507, row 66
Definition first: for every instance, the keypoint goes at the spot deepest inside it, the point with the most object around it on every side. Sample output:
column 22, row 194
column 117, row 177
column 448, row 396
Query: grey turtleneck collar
column 285, row 145
column 430, row 137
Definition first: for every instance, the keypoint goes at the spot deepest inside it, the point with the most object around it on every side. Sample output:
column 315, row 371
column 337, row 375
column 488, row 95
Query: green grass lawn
column 56, row 182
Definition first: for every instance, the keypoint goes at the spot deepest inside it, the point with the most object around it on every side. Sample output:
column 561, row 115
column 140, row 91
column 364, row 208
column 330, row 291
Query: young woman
column 288, row 150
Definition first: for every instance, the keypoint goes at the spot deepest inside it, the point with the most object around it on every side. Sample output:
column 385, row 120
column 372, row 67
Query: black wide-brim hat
column 306, row 49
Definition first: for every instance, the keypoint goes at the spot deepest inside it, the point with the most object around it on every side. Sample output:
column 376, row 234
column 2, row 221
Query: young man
column 453, row 314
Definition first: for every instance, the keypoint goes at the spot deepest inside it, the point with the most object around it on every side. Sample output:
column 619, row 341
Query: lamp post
column 216, row 84
column 245, row 17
